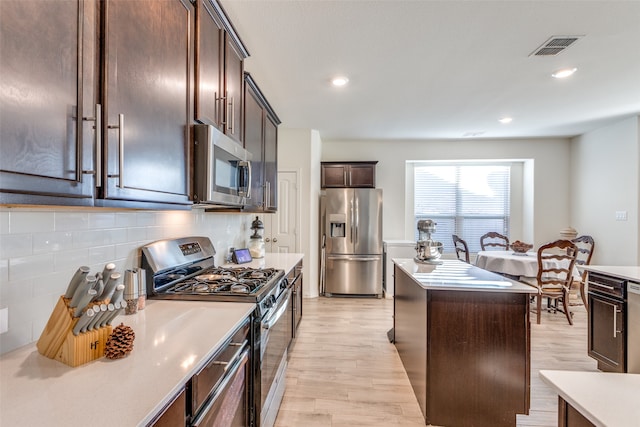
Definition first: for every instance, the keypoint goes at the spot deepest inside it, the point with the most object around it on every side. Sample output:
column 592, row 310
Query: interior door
column 281, row 228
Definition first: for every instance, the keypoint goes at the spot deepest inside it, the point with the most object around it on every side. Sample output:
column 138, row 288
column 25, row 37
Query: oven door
column 228, row 407
column 275, row 335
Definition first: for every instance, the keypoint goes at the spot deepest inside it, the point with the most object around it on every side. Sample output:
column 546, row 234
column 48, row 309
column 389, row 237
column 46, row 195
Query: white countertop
column 605, row 399
column 457, row 275
column 173, row 341
column 626, row 272
column 280, row 261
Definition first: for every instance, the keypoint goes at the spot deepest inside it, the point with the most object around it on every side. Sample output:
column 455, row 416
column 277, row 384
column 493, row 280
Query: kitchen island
column 463, row 336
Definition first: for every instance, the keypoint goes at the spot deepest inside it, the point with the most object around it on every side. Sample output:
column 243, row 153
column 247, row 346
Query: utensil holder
column 58, row 342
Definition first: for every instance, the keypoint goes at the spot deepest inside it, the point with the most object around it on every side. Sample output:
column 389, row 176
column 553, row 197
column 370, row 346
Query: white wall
column 546, row 163
column 299, row 149
column 605, row 177
column 41, row 248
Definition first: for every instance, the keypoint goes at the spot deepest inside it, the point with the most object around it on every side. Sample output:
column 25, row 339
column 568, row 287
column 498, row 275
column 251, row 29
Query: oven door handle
column 220, row 390
column 273, row 319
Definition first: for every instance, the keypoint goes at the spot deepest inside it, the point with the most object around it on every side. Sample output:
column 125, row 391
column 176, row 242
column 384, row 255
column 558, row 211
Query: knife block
column 58, row 342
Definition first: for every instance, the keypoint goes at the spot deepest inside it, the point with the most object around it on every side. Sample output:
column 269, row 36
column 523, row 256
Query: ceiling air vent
column 555, row 45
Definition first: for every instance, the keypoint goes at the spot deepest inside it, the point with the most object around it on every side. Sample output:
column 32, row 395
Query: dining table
column 516, row 264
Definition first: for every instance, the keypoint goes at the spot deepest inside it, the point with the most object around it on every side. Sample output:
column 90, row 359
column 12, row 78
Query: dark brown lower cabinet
column 174, row 415
column 607, row 333
column 466, row 353
column 568, row 416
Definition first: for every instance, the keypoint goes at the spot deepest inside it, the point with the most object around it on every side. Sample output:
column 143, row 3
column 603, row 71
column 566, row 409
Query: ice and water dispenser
column 337, row 225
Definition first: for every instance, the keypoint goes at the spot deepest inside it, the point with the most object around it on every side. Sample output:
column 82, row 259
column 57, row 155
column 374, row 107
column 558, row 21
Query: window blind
column 467, row 200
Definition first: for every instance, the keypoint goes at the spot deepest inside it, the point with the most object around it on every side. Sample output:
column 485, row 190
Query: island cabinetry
column 348, row 174
column 98, row 110
column 220, row 56
column 607, row 320
column 568, row 416
column 261, row 140
column 466, row 352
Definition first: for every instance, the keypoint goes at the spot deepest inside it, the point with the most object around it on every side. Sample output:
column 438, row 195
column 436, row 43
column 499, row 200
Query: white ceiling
column 427, row 69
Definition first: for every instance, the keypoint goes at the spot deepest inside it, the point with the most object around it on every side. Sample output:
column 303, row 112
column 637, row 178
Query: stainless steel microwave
column 222, row 169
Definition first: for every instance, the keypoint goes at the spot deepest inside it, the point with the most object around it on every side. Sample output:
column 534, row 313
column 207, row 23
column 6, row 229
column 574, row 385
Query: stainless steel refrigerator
column 351, row 232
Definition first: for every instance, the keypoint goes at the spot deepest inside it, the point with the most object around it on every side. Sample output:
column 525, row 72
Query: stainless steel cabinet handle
column 97, row 170
column 120, row 127
column 601, row 285
column 345, row 177
column 615, row 321
column 233, row 117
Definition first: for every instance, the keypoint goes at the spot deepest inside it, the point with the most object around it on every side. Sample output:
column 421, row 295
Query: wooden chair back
column 461, row 247
column 494, row 240
column 585, row 245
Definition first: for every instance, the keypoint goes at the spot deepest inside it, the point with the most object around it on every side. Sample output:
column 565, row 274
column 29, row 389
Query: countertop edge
column 412, row 268
column 630, row 272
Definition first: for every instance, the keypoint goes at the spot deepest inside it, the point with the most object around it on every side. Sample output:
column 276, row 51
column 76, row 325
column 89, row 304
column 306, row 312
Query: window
column 464, row 199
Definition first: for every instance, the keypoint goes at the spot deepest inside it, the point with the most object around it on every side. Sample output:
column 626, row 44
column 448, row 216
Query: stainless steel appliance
column 633, row 327
column 352, row 234
column 222, row 169
column 184, row 269
column 428, row 250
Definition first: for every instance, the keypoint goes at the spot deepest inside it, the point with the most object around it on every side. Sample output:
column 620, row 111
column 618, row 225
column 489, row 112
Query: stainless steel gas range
column 184, row 269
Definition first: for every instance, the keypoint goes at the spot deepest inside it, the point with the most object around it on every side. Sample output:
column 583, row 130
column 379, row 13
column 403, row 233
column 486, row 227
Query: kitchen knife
column 123, row 305
column 109, row 286
column 105, row 316
column 108, row 270
column 81, row 290
column 84, row 300
column 84, row 320
column 77, row 278
column 102, row 308
column 98, row 287
column 118, row 294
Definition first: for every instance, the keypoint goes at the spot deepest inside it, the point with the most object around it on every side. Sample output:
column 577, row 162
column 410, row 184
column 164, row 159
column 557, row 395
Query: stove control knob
column 273, row 300
column 268, row 303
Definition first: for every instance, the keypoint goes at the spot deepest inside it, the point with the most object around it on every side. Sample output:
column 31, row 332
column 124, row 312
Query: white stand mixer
column 428, row 250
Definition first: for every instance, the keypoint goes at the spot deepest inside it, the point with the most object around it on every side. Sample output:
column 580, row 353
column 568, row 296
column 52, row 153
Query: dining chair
column 494, row 240
column 555, row 274
column 461, row 247
column 585, row 245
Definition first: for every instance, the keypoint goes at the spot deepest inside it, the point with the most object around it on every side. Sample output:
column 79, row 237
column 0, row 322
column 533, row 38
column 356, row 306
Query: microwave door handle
column 249, row 179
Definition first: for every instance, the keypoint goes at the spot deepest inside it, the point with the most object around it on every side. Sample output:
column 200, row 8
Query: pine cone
column 120, row 342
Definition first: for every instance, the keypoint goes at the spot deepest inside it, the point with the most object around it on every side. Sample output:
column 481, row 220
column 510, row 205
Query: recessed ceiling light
column 505, row 120
column 564, row 73
column 339, row 81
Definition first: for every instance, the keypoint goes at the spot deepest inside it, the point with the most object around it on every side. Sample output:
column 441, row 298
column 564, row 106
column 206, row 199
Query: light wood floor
column 344, row 372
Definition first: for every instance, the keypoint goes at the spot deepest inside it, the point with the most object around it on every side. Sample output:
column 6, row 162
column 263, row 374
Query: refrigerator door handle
column 350, row 258
column 357, row 220
column 352, row 219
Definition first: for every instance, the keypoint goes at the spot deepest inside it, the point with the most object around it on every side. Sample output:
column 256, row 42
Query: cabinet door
column 209, row 57
column 233, row 63
column 48, row 86
column 297, row 300
column 606, row 333
column 174, row 415
column 334, row 176
column 271, row 164
column 148, row 81
column 253, row 137
column 363, row 176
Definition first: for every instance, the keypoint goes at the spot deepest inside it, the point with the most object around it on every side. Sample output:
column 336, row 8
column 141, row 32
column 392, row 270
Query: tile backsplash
column 40, row 249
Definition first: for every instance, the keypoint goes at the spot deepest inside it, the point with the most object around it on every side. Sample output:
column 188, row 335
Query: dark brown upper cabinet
column 101, row 102
column 348, row 174
column 220, row 58
column 48, row 81
column 261, row 140
column 148, row 63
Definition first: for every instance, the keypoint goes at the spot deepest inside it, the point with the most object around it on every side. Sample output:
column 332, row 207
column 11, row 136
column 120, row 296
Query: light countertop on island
column 173, row 340
column 606, row 399
column 625, row 272
column 455, row 275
